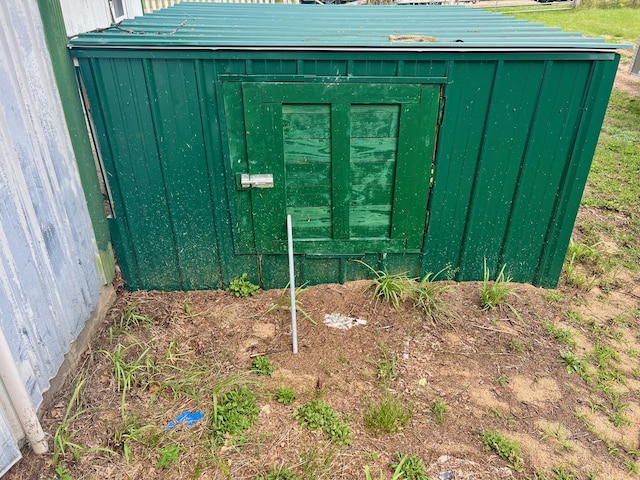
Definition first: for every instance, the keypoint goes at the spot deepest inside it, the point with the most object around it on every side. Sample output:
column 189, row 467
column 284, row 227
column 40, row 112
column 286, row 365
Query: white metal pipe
column 20, row 399
column 292, row 285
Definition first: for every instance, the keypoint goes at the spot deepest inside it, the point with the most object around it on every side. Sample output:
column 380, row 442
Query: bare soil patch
column 490, row 369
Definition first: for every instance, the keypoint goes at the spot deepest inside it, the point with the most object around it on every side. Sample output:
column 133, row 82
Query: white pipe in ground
column 20, row 399
column 292, row 285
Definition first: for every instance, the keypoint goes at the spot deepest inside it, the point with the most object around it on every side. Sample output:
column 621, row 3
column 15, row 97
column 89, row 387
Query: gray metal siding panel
column 49, row 283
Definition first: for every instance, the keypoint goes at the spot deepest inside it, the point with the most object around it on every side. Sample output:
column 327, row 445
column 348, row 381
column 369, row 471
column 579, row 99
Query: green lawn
column 616, row 24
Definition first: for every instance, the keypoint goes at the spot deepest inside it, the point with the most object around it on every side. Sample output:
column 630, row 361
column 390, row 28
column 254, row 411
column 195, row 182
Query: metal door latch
column 261, row 180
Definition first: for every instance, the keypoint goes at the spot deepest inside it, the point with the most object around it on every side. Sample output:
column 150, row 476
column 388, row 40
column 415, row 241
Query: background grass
column 615, row 23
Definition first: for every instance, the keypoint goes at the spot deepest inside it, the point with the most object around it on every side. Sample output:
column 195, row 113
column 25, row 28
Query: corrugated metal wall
column 514, row 149
column 49, row 283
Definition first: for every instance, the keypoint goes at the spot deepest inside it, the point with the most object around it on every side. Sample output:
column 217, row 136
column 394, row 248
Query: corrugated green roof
column 336, row 27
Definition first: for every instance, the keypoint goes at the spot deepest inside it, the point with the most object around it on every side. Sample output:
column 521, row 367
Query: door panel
column 351, row 164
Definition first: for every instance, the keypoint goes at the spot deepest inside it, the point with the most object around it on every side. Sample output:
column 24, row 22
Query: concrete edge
column 78, row 346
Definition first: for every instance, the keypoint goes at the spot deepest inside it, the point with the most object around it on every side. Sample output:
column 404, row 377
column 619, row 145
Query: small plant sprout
column 559, row 435
column 284, row 303
column 560, row 472
column 262, row 366
column 285, row 395
column 387, row 416
column 495, row 294
column 242, row 288
column 505, row 448
column 574, row 364
column 168, row 455
column 439, row 409
column 387, row 366
column 409, row 467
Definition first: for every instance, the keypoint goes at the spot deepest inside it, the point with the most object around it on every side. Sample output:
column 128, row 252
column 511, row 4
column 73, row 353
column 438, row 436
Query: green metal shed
column 408, row 137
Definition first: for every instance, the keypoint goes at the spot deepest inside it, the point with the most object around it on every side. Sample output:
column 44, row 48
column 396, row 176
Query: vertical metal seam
column 206, row 119
column 514, row 198
column 154, row 117
column 490, row 106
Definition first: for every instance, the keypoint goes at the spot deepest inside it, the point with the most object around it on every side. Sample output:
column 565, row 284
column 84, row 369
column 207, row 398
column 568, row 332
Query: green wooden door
column 351, row 164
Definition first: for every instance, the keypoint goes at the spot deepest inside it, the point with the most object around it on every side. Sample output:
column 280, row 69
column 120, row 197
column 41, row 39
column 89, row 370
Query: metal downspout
column 20, row 399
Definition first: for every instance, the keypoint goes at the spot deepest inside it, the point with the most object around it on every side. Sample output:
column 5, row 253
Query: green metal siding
column 518, row 131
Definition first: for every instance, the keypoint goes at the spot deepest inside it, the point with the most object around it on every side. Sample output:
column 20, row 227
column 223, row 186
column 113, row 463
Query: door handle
column 260, row 180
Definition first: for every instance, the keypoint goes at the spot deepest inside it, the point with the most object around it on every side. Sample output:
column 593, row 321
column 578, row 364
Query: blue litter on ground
column 187, row 418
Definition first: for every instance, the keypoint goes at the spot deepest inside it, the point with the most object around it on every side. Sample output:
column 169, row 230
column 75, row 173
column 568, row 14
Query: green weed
column 559, row 436
column 131, row 431
column 279, row 473
column 317, row 415
column 387, row 366
column 427, row 295
column 505, row 448
column 318, row 463
column 137, row 371
column 234, row 412
column 63, row 436
column 390, row 288
column 553, row 296
column 410, row 467
column 387, row 416
column 439, row 409
column 284, row 303
column 285, row 395
column 168, row 455
column 574, row 364
column 495, row 294
column 242, row 288
column 560, row 472
column 262, row 366
column 562, row 335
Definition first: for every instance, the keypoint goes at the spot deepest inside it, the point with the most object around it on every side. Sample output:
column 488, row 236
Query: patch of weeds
column 317, row 463
column 439, row 409
column 284, row 303
column 168, row 455
column 564, row 336
column 553, row 296
column 262, row 366
column 317, row 415
column 62, row 473
column 279, row 473
column 603, row 355
column 132, row 431
column 129, row 319
column 63, row 436
column 409, row 467
column 234, row 412
column 505, row 448
column 427, row 294
column 128, row 373
column 559, row 436
column 242, row 288
column 632, row 468
column 390, row 288
column 560, row 472
column 574, row 363
column 387, row 416
column 580, row 253
column 285, row 395
column 494, row 295
column 538, row 475
column 504, row 417
column 387, row 366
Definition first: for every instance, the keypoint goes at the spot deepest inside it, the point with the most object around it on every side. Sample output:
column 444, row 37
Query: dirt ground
column 492, row 370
